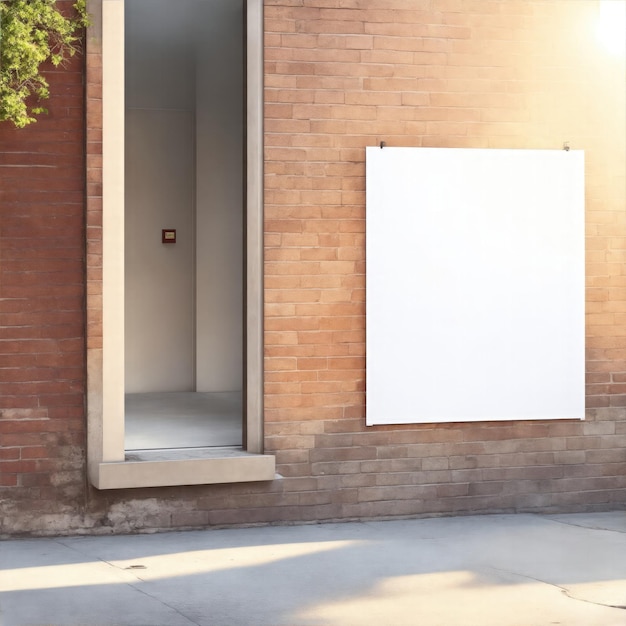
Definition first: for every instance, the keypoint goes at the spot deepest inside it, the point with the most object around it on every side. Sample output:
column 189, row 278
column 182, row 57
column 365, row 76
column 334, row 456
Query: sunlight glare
column 161, row 567
column 611, row 26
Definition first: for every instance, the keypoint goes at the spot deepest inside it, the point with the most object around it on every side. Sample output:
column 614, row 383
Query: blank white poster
column 475, row 285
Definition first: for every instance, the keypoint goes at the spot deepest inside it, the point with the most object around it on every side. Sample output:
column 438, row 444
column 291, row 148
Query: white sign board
column 475, row 285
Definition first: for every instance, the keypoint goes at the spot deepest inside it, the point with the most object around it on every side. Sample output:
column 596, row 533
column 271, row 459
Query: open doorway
column 184, row 223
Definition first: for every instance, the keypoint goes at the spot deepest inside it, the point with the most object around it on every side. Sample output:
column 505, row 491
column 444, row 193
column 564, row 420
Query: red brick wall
column 42, row 287
column 342, row 75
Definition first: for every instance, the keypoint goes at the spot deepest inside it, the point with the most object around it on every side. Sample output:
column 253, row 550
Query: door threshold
column 168, row 468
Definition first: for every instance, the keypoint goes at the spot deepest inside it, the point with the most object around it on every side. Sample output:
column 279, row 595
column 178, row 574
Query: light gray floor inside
column 183, row 420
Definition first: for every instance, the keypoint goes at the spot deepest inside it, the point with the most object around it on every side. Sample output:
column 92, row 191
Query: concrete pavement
column 496, row 570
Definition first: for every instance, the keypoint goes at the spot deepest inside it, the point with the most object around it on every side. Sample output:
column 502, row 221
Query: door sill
column 183, row 466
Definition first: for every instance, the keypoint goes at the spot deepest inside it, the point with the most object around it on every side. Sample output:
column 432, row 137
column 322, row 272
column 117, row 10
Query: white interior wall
column 184, row 161
column 219, row 199
column 159, row 194
column 159, row 277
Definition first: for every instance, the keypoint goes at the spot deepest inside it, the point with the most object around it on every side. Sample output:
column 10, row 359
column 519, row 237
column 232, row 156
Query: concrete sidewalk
column 499, row 570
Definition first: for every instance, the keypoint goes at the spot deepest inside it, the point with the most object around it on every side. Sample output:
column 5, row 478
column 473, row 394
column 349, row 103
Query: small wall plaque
column 168, row 235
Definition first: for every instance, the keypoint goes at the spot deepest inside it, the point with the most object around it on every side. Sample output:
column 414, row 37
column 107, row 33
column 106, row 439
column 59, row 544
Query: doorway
column 184, row 223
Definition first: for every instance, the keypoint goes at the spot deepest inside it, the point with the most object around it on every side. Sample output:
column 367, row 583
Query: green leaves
column 31, row 33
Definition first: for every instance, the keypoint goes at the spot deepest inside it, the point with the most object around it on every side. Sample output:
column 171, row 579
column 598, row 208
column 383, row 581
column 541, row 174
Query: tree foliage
column 33, row 32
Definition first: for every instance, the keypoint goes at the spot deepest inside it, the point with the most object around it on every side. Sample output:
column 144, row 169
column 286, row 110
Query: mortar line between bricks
column 129, row 583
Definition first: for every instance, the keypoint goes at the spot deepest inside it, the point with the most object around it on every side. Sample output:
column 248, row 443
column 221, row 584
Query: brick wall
column 42, row 361
column 342, row 75
column 446, row 73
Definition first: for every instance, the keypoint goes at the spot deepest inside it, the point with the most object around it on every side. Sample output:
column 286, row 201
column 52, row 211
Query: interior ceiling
column 175, row 21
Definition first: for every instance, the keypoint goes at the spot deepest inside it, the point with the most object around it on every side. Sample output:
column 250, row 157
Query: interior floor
column 183, row 420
